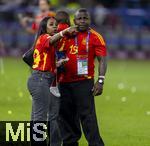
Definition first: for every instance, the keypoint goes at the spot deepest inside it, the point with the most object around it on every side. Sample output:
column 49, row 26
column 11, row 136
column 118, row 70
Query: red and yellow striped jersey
column 96, row 48
column 44, row 54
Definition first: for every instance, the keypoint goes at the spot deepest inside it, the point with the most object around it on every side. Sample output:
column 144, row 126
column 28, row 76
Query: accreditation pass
column 82, row 66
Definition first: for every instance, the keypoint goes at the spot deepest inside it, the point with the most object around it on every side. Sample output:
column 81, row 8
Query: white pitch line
column 2, row 66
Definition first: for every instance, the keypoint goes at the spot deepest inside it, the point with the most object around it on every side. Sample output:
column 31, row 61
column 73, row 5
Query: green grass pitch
column 123, row 111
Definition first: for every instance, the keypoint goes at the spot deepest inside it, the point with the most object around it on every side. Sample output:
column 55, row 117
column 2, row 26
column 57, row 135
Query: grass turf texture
column 123, row 111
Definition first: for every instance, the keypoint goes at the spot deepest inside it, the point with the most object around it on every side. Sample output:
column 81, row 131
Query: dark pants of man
column 45, row 107
column 77, row 108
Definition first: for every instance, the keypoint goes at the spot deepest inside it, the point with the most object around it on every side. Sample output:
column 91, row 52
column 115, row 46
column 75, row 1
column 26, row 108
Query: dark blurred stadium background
column 125, row 25
column 123, row 110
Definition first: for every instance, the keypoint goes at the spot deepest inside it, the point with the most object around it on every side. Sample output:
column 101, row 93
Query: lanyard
column 87, row 42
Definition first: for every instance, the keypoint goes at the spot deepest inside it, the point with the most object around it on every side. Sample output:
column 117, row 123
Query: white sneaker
column 55, row 91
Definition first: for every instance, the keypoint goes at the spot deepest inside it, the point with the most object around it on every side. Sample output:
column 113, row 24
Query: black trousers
column 77, row 108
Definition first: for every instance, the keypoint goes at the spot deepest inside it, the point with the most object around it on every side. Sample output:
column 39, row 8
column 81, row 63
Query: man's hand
column 97, row 89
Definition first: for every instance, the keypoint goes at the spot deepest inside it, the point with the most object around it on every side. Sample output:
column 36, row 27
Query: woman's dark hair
column 62, row 17
column 42, row 28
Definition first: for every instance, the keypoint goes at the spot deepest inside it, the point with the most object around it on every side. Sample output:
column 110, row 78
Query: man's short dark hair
column 84, row 10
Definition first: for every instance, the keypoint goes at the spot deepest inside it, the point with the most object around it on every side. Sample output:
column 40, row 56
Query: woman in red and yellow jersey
column 45, row 105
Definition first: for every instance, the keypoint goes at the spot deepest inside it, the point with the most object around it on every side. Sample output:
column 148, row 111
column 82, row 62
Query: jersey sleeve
column 62, row 26
column 45, row 39
column 99, row 45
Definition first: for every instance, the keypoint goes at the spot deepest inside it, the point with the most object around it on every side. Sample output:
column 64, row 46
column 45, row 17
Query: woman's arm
column 61, row 34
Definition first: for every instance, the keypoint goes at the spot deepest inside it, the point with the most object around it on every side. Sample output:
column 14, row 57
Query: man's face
column 82, row 20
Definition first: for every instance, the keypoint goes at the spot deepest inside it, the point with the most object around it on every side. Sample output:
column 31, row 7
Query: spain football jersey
column 44, row 54
column 75, row 53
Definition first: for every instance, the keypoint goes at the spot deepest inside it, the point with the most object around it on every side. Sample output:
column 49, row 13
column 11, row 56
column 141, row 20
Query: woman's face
column 51, row 26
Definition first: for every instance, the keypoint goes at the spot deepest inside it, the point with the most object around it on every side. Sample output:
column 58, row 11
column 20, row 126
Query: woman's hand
column 70, row 30
column 56, row 37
